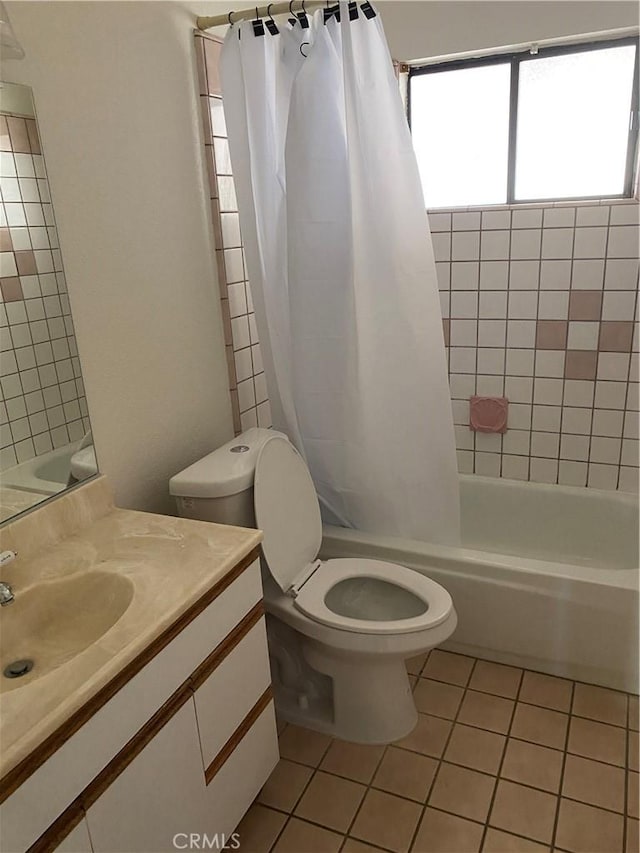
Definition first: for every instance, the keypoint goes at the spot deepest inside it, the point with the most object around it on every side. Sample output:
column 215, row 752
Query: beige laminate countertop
column 168, row 563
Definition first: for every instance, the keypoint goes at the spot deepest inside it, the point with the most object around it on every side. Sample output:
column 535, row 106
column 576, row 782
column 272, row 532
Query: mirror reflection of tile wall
column 43, row 406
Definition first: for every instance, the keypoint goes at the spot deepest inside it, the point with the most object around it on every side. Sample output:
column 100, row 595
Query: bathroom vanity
column 147, row 716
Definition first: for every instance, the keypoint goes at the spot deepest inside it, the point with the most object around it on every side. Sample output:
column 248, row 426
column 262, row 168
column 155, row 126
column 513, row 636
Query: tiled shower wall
column 42, row 405
column 540, row 305
column 249, row 402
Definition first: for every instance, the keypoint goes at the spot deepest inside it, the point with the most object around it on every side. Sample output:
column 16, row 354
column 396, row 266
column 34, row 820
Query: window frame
column 514, row 59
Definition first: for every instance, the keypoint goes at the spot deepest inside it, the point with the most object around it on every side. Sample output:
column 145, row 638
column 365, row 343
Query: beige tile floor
column 502, row 760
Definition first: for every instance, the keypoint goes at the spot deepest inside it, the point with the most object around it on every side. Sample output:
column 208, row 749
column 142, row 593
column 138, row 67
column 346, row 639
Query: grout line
column 440, row 760
column 562, row 769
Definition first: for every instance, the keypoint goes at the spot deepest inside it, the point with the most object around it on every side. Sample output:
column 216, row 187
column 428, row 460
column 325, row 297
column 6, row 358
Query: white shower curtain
column 342, row 271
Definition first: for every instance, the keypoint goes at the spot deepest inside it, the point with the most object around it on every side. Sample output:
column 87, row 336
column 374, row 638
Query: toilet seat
column 311, row 598
column 288, row 513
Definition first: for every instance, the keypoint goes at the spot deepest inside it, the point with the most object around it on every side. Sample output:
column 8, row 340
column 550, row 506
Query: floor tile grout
column 466, row 686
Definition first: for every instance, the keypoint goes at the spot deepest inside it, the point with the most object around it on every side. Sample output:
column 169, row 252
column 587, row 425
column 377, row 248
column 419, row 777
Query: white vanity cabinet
column 182, row 748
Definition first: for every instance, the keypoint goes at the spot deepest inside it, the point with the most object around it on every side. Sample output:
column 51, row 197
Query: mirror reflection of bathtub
column 51, row 472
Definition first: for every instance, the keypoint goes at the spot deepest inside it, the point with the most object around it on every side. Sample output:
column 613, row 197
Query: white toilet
column 339, row 630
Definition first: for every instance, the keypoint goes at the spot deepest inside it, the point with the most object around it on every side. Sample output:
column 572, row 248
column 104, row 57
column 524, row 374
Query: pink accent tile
column 19, row 135
column 488, row 414
column 32, row 133
column 551, row 334
column 5, row 141
column 616, row 335
column 581, row 364
column 446, row 330
column 585, row 304
column 26, row 263
column 11, row 289
column 6, row 244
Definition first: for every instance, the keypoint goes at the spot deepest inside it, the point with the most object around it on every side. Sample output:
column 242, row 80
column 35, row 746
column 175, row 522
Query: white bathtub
column 546, row 577
column 47, row 474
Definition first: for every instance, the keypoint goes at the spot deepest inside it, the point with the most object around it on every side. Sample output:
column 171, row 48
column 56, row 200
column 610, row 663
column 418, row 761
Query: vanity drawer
column 232, row 689
column 237, row 782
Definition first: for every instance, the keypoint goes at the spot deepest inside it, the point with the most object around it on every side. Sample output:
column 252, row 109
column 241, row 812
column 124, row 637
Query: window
column 560, row 124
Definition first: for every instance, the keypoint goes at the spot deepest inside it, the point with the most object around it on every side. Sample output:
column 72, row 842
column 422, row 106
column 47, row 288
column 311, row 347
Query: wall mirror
column 45, row 435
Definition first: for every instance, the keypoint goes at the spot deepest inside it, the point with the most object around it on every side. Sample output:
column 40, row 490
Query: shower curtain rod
column 205, row 23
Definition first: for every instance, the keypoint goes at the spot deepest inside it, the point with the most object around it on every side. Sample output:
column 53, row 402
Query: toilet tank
column 219, row 487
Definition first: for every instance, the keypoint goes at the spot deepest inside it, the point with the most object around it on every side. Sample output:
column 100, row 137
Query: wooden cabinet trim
column 237, row 736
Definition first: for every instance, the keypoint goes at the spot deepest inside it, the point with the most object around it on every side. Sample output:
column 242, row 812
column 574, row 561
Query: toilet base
column 372, row 698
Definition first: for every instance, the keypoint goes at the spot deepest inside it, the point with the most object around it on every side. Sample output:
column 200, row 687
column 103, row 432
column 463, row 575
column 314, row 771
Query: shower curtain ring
column 301, row 50
column 257, row 15
column 269, row 15
column 230, row 19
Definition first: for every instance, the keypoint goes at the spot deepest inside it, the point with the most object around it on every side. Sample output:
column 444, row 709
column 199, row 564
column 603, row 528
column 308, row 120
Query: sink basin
column 55, row 621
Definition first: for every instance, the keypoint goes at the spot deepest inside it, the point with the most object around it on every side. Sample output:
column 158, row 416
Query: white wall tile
column 518, row 389
column 625, row 214
column 516, row 441
column 618, row 304
column 587, row 275
column 548, row 391
column 603, row 476
column 519, row 414
column 515, row 467
column 441, row 246
column 559, row 217
column 610, row 395
column 464, row 304
column 596, row 215
column 578, row 392
column 443, row 274
column 590, row 243
column 487, row 464
column 527, row 218
column 462, row 359
column 489, row 385
column 466, row 221
column 439, row 221
column 623, row 241
column 525, row 244
column 495, row 245
column 546, row 418
column 521, row 333
column 465, row 245
column 543, row 470
column 523, row 305
column 550, row 363
column 494, row 275
column 524, row 275
column 463, row 333
column 607, row 422
column 613, row 365
column 492, row 333
column 496, row 219
column 464, row 275
column 621, row 274
column 555, row 275
column 574, row 447
column 492, row 360
column 583, row 335
column 572, row 473
column 493, row 304
column 520, row 362
column 553, row 305
column 557, row 243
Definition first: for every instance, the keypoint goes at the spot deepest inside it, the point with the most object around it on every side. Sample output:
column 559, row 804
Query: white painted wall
column 117, row 104
column 418, row 29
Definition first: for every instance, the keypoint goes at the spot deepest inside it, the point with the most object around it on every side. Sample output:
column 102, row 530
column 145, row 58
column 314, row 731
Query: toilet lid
column 398, row 600
column 287, row 511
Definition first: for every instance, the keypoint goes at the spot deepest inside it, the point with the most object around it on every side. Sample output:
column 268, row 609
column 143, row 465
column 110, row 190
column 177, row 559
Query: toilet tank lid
column 228, row 470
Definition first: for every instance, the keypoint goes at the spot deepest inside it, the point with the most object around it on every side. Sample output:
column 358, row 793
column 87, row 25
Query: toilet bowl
column 339, row 630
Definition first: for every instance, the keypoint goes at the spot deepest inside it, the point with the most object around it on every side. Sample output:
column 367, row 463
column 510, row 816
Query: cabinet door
column 77, row 841
column 158, row 796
